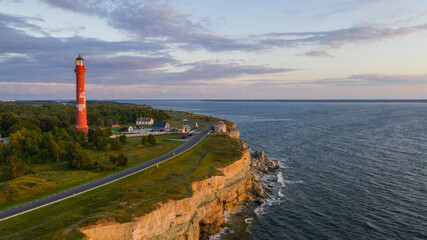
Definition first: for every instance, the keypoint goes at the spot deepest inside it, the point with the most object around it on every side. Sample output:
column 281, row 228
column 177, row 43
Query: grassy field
column 132, row 196
column 177, row 122
column 53, row 178
column 206, row 118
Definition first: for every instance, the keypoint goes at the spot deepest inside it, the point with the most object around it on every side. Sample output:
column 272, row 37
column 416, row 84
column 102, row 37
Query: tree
column 62, row 134
column 82, row 160
column 80, row 137
column 99, row 137
column 70, row 153
column 2, row 152
column 13, row 167
column 26, row 143
column 51, row 146
column 151, row 139
column 8, row 120
column 144, row 140
column 77, row 158
column 42, row 157
column 123, row 139
column 119, row 160
column 100, row 143
column 116, row 144
column 58, row 151
column 47, row 123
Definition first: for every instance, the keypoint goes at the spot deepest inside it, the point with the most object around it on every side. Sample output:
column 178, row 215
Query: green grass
column 206, row 118
column 132, row 196
column 54, row 178
column 177, row 122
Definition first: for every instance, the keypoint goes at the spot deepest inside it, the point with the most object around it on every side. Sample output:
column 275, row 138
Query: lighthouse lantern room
column 80, row 62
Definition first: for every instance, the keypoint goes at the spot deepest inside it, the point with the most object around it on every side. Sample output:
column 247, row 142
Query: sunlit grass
column 53, row 178
column 132, row 196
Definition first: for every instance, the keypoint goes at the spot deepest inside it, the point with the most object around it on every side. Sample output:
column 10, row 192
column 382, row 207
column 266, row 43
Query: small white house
column 4, row 140
column 185, row 129
column 130, row 129
column 220, row 127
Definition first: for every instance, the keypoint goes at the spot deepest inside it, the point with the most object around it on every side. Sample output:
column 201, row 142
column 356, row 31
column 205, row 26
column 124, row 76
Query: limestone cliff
column 261, row 164
column 200, row 215
column 233, row 132
column 195, row 217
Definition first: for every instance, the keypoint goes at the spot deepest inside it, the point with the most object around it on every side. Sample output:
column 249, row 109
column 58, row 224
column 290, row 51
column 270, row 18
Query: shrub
column 13, row 167
column 123, row 139
column 151, row 139
column 119, row 160
column 99, row 137
column 77, row 157
column 116, row 144
column 106, row 168
column 144, row 140
column 82, row 160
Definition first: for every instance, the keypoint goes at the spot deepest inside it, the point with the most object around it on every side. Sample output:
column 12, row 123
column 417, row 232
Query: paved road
column 30, row 206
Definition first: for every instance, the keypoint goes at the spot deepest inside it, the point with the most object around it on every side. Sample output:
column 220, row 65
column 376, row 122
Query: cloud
column 13, row 90
column 126, row 71
column 159, row 20
column 317, row 53
column 375, row 80
column 15, row 40
column 121, row 63
column 339, row 38
column 21, row 22
column 148, row 18
column 30, row 55
column 27, row 59
column 155, row 19
column 195, row 74
column 365, row 80
column 342, row 7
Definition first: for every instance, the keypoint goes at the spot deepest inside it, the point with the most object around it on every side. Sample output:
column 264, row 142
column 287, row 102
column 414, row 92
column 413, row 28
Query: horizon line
column 373, row 100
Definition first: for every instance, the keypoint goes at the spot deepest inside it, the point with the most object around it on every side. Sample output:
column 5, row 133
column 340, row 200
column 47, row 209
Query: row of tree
column 45, row 116
column 42, row 132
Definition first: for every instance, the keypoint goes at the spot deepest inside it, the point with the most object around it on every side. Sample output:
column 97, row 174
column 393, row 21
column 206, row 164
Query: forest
column 42, row 132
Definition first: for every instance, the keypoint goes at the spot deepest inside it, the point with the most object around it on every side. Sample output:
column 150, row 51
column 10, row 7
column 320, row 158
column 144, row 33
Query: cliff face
column 195, row 217
column 233, row 132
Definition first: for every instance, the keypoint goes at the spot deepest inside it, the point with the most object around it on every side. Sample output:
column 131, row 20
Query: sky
column 214, row 49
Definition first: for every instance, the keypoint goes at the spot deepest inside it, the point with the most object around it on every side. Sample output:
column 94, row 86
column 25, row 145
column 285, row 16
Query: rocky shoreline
column 261, row 164
column 261, row 176
column 242, row 183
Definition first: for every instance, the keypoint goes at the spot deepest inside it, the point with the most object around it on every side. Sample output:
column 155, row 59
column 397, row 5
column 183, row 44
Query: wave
column 281, row 194
column 268, row 202
column 223, row 231
column 293, row 181
column 249, row 220
column 281, row 178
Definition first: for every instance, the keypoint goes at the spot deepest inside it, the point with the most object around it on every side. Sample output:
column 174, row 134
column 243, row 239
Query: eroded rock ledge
column 200, row 215
column 261, row 164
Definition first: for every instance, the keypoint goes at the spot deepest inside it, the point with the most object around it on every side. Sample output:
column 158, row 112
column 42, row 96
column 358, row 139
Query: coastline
column 201, row 215
column 216, row 176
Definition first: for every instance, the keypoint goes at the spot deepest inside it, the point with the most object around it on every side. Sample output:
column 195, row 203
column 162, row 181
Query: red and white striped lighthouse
column 81, row 119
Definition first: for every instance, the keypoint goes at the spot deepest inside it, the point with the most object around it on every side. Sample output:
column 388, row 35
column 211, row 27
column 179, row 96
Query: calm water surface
column 350, row 170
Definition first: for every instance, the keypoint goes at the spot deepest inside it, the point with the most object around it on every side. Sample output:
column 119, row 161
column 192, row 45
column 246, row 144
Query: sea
column 350, row 170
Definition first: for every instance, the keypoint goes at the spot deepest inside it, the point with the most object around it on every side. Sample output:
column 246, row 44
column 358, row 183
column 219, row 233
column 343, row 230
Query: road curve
column 39, row 203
